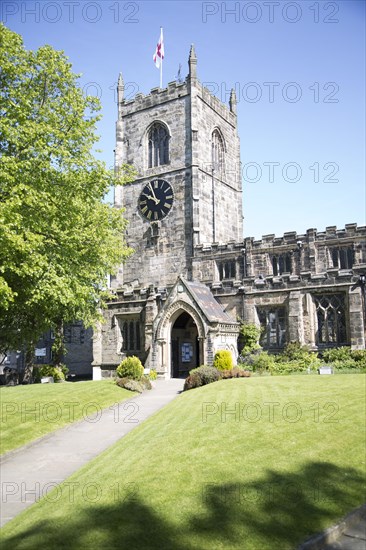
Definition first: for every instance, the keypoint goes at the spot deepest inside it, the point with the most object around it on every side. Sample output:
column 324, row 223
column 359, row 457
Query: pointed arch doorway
column 185, row 345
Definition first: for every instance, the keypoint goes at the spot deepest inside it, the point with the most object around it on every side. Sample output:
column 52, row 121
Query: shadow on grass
column 276, row 512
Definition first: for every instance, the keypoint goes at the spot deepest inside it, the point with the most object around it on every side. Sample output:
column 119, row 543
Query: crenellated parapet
column 351, row 231
column 157, row 96
column 175, row 90
column 291, row 260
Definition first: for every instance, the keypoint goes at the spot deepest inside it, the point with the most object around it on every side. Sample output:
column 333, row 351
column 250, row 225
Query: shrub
column 192, row 381
column 223, row 360
column 247, row 360
column 294, row 367
column 337, row 354
column 299, row 357
column 235, row 373
column 207, row 374
column 344, row 359
column 249, row 338
column 145, row 382
column 153, row 374
column 359, row 356
column 134, row 385
column 201, row 376
column 122, row 381
column 226, row 374
column 263, row 362
column 345, row 364
column 58, row 373
column 131, row 367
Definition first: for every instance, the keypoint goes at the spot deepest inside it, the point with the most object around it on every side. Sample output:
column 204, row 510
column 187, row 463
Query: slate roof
column 206, row 301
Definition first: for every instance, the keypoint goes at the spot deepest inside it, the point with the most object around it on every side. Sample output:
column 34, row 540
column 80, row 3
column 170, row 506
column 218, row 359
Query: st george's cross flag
column 159, row 52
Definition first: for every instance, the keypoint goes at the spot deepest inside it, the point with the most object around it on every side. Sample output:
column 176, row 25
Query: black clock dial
column 156, row 200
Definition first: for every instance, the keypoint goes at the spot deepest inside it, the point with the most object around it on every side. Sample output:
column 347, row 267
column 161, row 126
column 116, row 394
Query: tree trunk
column 58, row 347
column 27, row 376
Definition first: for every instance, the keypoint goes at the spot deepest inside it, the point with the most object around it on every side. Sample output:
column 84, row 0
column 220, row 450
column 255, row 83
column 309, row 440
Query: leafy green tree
column 58, row 240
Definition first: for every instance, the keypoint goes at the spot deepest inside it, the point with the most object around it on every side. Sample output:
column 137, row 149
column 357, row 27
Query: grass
column 259, row 463
column 30, row 412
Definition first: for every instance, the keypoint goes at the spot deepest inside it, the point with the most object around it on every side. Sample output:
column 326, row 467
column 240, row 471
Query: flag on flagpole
column 159, row 52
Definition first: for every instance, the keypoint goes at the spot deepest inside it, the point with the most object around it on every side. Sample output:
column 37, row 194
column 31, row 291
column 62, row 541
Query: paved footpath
column 348, row 534
column 28, row 472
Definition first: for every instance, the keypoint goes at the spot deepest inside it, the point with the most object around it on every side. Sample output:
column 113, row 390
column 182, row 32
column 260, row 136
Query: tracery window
column 342, row 258
column 281, row 264
column 217, row 153
column 273, row 323
column 158, row 145
column 331, row 319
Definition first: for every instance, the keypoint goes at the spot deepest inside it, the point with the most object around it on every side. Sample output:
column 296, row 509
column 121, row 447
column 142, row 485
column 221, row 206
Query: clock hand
column 150, row 197
column 154, row 196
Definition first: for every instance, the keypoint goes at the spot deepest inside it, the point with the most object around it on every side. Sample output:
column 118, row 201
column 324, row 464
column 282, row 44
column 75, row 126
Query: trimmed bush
column 235, row 373
column 192, row 381
column 131, row 367
column 207, row 374
column 145, row 382
column 134, row 385
column 223, row 360
column 121, row 382
column 201, row 376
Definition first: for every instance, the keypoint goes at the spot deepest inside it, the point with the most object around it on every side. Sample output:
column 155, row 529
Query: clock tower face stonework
column 184, row 145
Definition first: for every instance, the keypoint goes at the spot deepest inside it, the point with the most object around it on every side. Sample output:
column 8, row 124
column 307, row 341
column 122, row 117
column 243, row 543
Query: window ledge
column 345, row 273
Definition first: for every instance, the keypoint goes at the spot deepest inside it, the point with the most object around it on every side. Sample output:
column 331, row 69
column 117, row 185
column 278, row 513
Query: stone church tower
column 183, row 136
column 184, row 145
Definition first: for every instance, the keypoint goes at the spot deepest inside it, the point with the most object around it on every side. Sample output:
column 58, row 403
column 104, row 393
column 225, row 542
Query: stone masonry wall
column 312, row 274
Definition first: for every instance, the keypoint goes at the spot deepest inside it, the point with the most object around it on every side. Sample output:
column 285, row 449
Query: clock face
column 156, row 200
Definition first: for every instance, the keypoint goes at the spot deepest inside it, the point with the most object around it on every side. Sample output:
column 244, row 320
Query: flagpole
column 161, row 63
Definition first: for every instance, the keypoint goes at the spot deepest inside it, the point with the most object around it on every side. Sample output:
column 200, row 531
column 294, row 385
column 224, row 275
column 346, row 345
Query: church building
column 193, row 277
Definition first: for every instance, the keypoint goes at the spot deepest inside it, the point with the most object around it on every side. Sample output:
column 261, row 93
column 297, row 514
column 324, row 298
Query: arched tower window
column 217, row 152
column 158, row 144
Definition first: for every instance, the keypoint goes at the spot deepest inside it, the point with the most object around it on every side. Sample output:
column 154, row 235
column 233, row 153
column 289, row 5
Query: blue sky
column 298, row 69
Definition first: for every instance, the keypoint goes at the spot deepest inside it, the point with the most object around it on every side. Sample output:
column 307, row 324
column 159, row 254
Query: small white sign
column 325, row 370
column 41, row 352
column 47, row 380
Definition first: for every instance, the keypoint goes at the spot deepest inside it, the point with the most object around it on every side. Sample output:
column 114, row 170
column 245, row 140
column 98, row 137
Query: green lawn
column 249, row 464
column 29, row 412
